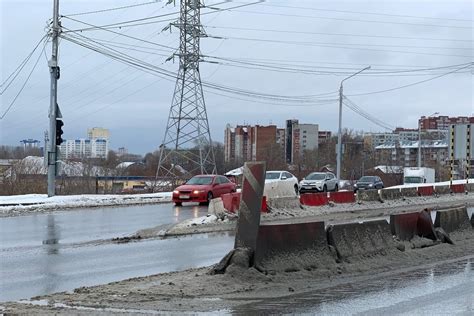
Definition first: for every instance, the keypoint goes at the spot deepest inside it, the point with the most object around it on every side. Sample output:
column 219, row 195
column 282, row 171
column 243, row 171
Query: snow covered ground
column 412, row 185
column 31, row 203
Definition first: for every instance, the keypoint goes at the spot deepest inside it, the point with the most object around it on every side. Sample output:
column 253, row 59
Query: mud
column 337, row 213
column 196, row 290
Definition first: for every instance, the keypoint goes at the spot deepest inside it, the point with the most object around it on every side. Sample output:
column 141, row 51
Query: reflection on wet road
column 48, row 253
column 444, row 290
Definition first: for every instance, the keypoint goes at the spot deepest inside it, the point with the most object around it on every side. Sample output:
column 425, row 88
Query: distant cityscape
column 399, row 147
column 292, row 141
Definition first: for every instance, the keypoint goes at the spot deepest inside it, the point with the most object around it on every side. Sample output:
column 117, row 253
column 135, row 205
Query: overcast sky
column 326, row 36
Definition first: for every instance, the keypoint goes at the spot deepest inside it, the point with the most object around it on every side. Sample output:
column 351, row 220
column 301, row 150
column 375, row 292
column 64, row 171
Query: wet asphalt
column 42, row 254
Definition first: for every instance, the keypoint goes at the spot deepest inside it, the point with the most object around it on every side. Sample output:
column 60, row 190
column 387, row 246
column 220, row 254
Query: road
column 47, row 253
column 446, row 289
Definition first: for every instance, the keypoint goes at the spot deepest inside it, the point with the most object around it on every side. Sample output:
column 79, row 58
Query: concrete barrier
column 470, row 187
column 451, row 220
column 342, row 197
column 361, row 239
column 216, row 207
column 291, row 247
column 408, row 225
column 409, row 192
column 284, row 203
column 442, row 189
column 425, row 191
column 390, row 194
column 368, row 195
column 314, row 199
column 458, row 188
column 231, row 202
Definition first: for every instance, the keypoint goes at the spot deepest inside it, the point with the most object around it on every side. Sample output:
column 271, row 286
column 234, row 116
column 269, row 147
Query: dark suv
column 368, row 183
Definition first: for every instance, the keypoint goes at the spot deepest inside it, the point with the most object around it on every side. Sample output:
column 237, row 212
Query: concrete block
column 425, row 191
column 470, row 187
column 368, row 195
column 361, row 239
column 342, row 197
column 409, row 192
column 390, row 194
column 454, row 219
column 284, row 203
column 314, row 199
column 231, row 201
column 216, row 207
column 408, row 225
column 458, row 188
column 442, row 189
column 290, row 247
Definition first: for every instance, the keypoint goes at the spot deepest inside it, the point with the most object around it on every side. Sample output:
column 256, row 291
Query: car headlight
column 176, row 192
column 355, row 185
column 198, row 191
column 371, row 185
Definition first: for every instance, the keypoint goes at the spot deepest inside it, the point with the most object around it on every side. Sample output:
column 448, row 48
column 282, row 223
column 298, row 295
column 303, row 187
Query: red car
column 202, row 189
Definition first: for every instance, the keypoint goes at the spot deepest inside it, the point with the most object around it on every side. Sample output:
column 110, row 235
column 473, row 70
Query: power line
column 117, row 33
column 122, row 57
column 352, row 20
column 20, row 67
column 322, row 70
column 350, row 44
column 112, row 9
column 336, row 34
column 339, row 46
column 368, row 13
column 125, row 24
column 24, row 84
column 357, row 109
column 414, row 83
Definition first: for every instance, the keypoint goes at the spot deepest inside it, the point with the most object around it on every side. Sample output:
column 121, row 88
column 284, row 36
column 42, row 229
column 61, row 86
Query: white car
column 280, row 184
column 319, row 182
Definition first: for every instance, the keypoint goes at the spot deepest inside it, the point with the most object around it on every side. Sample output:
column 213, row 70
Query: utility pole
column 339, row 131
column 419, row 143
column 187, row 125
column 53, row 109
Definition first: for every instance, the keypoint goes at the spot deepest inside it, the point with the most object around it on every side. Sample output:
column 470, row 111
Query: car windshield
column 200, row 180
column 413, row 180
column 272, row 175
column 316, row 176
column 367, row 179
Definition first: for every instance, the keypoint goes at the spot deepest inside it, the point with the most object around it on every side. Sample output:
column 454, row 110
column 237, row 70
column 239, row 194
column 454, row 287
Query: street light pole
column 339, row 131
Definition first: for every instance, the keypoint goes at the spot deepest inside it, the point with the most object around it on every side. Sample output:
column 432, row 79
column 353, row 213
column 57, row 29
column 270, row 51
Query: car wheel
column 178, row 203
column 325, row 189
column 209, row 197
column 336, row 188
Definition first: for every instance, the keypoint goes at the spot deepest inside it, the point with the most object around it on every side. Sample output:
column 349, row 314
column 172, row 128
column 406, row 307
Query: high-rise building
column 405, row 154
column 251, row 143
column 98, row 132
column 95, row 146
column 442, row 122
column 300, row 137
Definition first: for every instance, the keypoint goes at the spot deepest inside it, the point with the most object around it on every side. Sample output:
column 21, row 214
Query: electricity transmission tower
column 187, row 146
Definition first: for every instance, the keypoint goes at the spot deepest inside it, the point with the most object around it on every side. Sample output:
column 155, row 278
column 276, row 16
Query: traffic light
column 59, row 132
